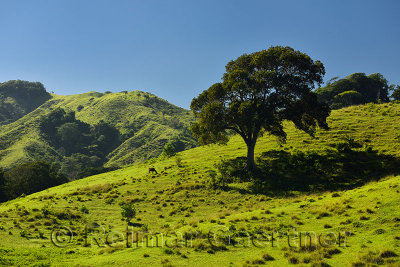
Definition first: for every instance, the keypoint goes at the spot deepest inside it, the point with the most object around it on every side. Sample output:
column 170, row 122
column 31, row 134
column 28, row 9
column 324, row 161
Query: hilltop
column 18, row 98
column 181, row 198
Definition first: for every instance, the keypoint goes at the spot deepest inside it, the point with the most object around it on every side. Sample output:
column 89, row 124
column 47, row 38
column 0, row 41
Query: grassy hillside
column 179, row 200
column 145, row 122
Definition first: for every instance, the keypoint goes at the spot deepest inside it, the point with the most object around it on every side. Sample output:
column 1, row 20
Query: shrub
column 23, row 233
column 234, row 169
column 388, row 254
column 216, row 181
column 84, row 209
column 347, row 145
column 169, row 150
column 369, row 149
column 293, row 260
column 178, row 161
column 128, row 212
column 267, row 257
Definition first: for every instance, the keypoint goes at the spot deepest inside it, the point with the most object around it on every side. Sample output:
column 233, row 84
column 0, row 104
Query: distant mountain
column 94, row 129
column 18, row 98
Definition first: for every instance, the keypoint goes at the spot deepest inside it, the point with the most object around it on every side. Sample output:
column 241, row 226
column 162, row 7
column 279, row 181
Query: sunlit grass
column 178, row 199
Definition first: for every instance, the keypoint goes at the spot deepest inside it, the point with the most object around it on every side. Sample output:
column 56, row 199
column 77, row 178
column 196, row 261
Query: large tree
column 258, row 92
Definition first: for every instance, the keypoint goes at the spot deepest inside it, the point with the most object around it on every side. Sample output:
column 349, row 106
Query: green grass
column 178, row 199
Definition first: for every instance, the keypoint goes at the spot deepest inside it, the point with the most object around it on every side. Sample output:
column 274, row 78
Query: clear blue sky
column 176, row 49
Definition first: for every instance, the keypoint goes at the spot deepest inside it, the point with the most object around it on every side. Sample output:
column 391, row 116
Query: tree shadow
column 282, row 171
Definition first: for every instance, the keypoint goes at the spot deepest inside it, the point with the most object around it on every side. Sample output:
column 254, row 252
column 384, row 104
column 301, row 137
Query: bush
column 369, row 149
column 234, row 170
column 23, row 233
column 84, row 209
column 128, row 212
column 178, row 161
column 169, row 150
column 347, row 145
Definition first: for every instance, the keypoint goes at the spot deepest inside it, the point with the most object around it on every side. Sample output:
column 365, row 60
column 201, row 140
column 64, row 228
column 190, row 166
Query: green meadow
column 353, row 220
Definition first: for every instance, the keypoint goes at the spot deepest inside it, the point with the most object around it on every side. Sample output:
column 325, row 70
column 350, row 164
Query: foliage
column 128, row 212
column 82, row 145
column 233, row 170
column 18, row 98
column 74, row 166
column 142, row 131
column 258, row 92
column 83, row 209
column 396, row 92
column 355, row 89
column 236, row 209
column 178, row 161
column 169, row 150
column 328, row 170
column 29, row 178
column 348, row 98
column 348, row 144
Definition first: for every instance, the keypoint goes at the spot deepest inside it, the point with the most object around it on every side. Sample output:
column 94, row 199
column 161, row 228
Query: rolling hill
column 181, row 200
column 145, row 124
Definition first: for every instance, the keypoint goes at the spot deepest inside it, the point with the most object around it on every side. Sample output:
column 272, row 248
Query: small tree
column 258, row 92
column 128, row 212
column 169, row 150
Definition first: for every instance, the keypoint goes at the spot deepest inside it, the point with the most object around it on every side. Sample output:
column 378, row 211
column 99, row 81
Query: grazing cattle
column 152, row 170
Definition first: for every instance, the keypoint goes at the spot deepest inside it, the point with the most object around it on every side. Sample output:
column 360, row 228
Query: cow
column 152, row 170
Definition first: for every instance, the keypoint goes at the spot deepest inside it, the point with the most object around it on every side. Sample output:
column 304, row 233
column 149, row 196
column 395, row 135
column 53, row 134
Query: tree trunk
column 251, row 165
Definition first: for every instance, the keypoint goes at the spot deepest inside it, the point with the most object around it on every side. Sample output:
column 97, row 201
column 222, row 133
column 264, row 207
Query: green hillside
column 145, row 122
column 181, row 200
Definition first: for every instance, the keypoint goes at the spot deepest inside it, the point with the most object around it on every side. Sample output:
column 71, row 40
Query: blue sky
column 176, row 49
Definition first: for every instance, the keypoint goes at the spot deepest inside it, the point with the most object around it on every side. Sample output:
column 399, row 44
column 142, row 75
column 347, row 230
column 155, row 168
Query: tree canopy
column 396, row 92
column 17, row 98
column 28, row 178
column 257, row 93
column 364, row 89
column 81, row 144
column 29, row 94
